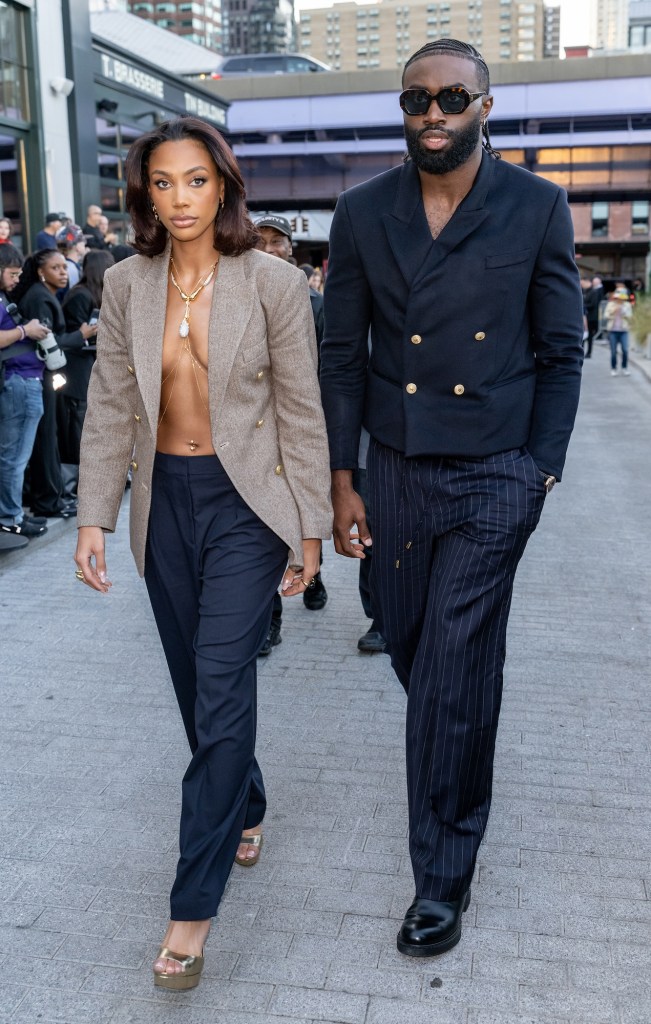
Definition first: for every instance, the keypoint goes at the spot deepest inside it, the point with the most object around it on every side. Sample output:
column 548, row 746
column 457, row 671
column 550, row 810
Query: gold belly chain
column 186, row 347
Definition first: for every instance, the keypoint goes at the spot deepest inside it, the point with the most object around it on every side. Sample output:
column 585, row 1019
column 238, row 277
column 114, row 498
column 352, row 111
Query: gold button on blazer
column 260, row 320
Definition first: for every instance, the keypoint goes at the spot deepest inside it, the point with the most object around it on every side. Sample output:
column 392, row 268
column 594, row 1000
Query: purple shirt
column 25, row 365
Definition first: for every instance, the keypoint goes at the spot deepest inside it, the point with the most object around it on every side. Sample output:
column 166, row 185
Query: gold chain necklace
column 184, row 332
column 188, row 297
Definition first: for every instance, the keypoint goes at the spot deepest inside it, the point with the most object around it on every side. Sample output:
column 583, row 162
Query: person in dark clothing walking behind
column 592, row 298
column 276, row 234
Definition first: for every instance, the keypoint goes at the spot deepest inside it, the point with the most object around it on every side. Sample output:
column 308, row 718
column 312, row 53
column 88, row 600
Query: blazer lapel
column 148, row 305
column 232, row 302
column 230, row 310
column 469, row 215
column 413, row 247
column 406, row 226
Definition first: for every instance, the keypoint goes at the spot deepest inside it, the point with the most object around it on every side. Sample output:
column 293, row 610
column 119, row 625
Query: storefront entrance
column 12, row 175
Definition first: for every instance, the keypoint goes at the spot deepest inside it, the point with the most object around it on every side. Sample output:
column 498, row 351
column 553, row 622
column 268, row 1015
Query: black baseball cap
column 51, row 217
column 273, row 220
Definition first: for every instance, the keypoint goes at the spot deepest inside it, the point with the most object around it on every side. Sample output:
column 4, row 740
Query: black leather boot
column 431, row 927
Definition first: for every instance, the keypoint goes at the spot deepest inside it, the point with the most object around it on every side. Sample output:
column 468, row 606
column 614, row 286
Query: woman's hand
column 297, row 578
column 88, row 331
column 90, row 545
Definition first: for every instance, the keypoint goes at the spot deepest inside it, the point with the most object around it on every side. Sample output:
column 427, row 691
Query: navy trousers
column 211, row 569
column 448, row 536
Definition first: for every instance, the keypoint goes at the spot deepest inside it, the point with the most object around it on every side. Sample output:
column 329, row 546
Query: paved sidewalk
column 559, row 928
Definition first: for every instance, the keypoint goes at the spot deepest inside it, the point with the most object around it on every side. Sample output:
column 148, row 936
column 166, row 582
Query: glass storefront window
column 13, row 65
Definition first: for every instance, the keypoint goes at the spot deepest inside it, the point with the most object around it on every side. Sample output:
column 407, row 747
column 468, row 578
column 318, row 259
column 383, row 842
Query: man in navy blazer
column 462, row 266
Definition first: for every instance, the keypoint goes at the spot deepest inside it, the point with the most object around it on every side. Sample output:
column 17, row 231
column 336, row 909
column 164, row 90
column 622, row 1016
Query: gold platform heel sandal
column 189, row 977
column 256, row 842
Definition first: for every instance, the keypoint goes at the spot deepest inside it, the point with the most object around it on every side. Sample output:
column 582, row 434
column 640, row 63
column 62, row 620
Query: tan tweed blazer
column 265, row 405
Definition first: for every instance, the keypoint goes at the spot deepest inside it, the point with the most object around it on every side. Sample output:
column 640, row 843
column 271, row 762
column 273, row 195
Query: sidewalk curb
column 55, row 527
column 641, row 364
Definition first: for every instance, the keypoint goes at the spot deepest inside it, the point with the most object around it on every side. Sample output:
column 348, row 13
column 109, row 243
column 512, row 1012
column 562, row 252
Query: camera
column 47, row 350
column 94, row 318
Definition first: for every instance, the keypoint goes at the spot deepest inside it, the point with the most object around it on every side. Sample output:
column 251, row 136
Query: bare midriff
column 184, row 418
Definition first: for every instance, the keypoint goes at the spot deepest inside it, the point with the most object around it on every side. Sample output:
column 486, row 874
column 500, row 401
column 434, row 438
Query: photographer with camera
column 44, row 273
column 21, row 401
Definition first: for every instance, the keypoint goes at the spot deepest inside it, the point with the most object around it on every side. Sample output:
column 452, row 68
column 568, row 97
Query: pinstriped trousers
column 448, row 535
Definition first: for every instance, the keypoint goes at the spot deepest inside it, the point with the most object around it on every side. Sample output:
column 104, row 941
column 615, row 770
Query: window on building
column 640, row 217
column 166, row 8
column 600, row 213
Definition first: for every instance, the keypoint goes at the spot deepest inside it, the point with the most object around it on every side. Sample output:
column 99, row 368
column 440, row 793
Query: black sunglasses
column 452, row 100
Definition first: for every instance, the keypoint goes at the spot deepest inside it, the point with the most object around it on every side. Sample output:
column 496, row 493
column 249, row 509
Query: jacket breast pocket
column 251, row 352
column 507, row 259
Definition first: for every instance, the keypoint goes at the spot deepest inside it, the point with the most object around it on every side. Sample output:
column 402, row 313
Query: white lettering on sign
column 203, row 108
column 125, row 74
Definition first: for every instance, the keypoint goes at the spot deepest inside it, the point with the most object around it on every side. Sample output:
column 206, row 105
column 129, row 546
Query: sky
column 574, row 18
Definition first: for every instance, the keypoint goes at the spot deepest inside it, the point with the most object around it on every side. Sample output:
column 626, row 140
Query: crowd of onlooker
column 49, row 308
column 607, row 315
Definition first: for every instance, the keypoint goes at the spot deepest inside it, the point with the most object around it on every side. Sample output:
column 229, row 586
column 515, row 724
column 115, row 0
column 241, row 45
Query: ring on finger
column 79, row 574
column 307, row 583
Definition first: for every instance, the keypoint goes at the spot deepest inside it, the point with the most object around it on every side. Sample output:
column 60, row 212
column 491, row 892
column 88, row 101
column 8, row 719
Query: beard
column 463, row 144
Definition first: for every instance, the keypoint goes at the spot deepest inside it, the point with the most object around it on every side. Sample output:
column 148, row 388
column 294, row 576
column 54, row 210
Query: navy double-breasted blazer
column 476, row 336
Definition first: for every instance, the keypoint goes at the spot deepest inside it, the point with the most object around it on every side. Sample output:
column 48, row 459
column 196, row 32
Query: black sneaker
column 273, row 639
column 372, row 642
column 35, row 520
column 315, row 597
column 25, row 529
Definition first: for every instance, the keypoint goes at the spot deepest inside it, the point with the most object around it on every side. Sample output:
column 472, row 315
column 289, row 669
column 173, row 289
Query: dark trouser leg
column 445, row 610
column 277, row 610
column 211, row 569
column 45, row 484
column 361, row 486
column 593, row 326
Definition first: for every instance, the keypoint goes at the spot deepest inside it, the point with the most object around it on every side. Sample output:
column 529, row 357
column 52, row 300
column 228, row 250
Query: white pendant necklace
column 188, row 297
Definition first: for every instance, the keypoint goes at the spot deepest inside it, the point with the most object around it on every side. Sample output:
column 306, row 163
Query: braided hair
column 460, row 49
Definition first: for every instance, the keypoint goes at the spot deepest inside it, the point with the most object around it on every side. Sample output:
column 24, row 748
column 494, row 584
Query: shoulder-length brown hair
column 234, row 230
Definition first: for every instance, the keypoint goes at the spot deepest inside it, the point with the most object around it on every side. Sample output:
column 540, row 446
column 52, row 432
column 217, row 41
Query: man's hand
column 35, row 330
column 349, row 513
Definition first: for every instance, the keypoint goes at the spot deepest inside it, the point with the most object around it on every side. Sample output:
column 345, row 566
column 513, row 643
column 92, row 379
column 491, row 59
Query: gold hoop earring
column 155, row 212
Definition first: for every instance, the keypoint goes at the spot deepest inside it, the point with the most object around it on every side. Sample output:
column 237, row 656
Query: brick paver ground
column 559, row 929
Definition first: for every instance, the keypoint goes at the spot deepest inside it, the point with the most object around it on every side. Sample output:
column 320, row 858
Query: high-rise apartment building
column 382, row 35
column 98, row 6
column 200, row 21
column 639, row 25
column 610, row 24
column 552, row 30
column 258, row 26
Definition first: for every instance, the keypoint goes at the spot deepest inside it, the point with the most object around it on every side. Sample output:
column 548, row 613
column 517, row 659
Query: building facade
column 612, row 239
column 200, row 21
column 350, row 37
column 25, row 159
column 639, row 25
column 609, row 29
column 258, row 26
column 552, row 31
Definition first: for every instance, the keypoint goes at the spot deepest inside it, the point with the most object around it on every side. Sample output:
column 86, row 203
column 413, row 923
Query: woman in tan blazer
column 205, row 385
